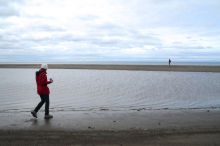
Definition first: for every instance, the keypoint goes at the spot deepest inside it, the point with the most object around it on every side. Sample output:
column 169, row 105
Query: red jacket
column 41, row 79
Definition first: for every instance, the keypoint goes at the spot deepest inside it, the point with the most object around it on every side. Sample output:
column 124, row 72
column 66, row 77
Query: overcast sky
column 109, row 30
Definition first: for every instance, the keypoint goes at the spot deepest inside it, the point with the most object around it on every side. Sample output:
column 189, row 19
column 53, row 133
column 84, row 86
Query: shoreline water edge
column 179, row 68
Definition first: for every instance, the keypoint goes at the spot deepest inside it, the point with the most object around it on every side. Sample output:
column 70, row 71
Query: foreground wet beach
column 144, row 127
column 140, row 125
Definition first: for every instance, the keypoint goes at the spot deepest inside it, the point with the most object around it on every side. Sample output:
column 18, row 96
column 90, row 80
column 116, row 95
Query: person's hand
column 51, row 81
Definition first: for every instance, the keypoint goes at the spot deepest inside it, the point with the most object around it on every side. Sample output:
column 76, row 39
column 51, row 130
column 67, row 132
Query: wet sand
column 144, row 127
column 181, row 68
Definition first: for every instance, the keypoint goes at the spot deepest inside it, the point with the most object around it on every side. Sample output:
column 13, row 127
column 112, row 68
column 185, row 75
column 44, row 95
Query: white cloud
column 109, row 30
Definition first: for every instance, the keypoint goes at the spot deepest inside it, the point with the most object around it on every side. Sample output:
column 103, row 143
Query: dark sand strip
column 109, row 138
column 180, row 68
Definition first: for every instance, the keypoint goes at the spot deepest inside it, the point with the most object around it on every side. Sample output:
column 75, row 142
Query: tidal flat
column 111, row 107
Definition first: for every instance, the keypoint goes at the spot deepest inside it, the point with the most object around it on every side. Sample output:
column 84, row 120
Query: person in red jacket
column 43, row 91
column 169, row 61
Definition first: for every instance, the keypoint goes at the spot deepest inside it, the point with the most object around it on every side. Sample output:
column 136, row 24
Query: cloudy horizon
column 109, row 30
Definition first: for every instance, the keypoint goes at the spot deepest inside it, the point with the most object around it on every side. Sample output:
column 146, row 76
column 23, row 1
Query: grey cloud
column 108, row 26
column 105, row 42
column 94, row 40
column 46, row 27
column 99, row 41
column 15, row 35
column 9, row 45
column 109, row 30
column 16, row 39
column 4, row 3
column 37, row 16
column 128, row 38
column 23, row 58
column 145, row 39
column 7, row 9
column 119, row 33
column 136, row 38
column 213, row 33
column 9, row 38
column 123, row 44
column 197, row 47
column 133, row 31
column 38, row 40
column 122, row 38
column 211, row 24
column 197, row 54
column 112, row 30
column 188, row 24
column 87, row 17
column 12, row 41
column 4, row 24
column 192, row 47
column 142, row 36
column 70, row 37
column 176, row 42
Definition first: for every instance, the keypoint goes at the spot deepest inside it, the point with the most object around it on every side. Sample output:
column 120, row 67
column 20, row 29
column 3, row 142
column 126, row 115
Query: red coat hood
column 40, row 71
column 41, row 80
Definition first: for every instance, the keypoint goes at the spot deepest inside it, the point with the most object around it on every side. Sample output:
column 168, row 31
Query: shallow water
column 110, row 89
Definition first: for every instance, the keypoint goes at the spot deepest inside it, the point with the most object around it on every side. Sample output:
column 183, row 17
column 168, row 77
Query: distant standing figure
column 43, row 91
column 169, row 61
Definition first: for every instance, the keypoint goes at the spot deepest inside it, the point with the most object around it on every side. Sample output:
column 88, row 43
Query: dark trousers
column 44, row 98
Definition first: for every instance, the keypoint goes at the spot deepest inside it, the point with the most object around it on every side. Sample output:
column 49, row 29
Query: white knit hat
column 44, row 66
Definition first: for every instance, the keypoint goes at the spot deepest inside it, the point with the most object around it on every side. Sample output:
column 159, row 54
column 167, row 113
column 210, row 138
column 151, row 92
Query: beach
column 180, row 68
column 145, row 127
column 125, row 126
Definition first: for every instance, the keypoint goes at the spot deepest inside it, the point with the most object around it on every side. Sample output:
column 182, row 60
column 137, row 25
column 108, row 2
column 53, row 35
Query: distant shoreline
column 179, row 68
